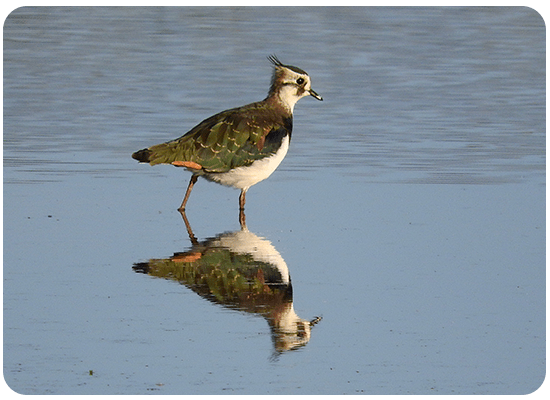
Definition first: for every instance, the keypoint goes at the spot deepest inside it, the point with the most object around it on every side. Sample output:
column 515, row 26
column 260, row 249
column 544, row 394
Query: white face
column 294, row 86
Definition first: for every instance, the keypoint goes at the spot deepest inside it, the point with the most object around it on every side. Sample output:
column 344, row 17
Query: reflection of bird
column 242, row 271
column 241, row 146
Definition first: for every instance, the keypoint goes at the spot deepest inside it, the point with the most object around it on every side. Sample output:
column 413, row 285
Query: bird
column 241, row 146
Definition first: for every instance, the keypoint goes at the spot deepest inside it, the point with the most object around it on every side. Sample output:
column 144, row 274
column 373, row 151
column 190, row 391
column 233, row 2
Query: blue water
column 409, row 211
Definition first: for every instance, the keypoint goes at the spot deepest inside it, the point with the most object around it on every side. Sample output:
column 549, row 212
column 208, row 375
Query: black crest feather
column 275, row 61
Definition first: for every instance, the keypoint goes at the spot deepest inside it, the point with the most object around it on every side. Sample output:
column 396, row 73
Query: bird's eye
column 299, row 81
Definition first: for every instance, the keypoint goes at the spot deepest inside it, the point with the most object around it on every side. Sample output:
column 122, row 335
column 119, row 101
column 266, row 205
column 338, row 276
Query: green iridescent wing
column 227, row 140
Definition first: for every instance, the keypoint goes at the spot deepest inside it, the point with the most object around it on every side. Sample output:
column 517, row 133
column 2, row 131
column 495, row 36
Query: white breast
column 261, row 249
column 244, row 177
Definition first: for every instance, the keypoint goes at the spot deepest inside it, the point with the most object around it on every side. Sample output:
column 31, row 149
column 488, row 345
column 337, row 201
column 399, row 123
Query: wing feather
column 226, row 140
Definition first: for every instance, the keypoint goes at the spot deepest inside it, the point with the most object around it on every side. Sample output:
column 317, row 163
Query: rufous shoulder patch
column 187, row 164
column 187, row 257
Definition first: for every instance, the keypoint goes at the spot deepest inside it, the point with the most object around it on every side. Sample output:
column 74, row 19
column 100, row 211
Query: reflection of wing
column 227, row 140
column 232, row 280
column 238, row 270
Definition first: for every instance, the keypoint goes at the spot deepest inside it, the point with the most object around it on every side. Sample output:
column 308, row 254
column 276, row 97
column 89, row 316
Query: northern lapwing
column 241, row 146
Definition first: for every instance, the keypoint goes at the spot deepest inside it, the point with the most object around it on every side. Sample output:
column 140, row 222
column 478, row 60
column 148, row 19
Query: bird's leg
column 242, row 217
column 242, row 200
column 188, row 192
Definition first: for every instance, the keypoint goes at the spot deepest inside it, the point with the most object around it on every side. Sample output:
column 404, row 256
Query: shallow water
column 409, row 212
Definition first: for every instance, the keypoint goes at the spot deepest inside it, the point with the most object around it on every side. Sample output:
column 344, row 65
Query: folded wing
column 227, row 140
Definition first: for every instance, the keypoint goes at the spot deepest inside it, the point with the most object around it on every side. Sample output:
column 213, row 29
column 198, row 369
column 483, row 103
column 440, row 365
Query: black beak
column 314, row 94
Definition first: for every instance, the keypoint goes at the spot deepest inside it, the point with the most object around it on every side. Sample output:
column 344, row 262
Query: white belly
column 244, row 177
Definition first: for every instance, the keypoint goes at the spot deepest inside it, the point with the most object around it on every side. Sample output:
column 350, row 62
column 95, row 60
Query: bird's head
column 289, row 84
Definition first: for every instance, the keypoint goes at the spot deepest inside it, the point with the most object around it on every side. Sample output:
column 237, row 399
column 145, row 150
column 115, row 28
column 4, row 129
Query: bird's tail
column 142, row 155
column 167, row 153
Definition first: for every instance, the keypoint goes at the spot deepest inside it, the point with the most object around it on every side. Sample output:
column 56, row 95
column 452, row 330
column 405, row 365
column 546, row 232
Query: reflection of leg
column 188, row 192
column 242, row 219
column 188, row 227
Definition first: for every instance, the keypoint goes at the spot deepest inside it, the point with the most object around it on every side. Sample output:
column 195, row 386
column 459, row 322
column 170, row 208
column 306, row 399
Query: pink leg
column 188, row 192
column 242, row 200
